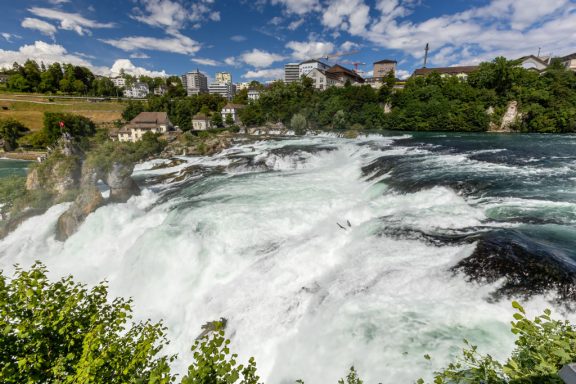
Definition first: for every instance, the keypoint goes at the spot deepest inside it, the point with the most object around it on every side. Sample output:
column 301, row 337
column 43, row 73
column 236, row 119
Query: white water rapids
column 263, row 249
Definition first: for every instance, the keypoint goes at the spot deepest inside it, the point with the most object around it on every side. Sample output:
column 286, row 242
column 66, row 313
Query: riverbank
column 24, row 155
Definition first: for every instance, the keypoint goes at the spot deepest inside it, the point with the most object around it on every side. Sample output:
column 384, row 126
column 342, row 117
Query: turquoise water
column 325, row 252
column 13, row 167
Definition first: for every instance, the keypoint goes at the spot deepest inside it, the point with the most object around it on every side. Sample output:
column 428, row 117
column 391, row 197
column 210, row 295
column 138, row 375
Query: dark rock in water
column 170, row 164
column 293, row 149
column 213, row 326
column 122, row 186
column 528, row 266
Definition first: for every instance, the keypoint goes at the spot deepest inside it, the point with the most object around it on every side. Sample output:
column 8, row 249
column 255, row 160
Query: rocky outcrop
column 122, row 187
column 511, row 117
column 119, row 180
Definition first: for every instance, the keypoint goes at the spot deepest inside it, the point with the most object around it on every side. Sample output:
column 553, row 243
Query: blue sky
column 253, row 39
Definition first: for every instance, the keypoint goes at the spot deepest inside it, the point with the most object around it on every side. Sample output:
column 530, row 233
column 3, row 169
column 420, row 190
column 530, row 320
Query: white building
column 201, row 122
column 533, row 63
column 155, row 122
column 223, row 77
column 226, row 90
column 323, row 79
column 291, row 72
column 253, row 94
column 195, row 83
column 232, row 110
column 160, row 90
column 137, row 91
column 118, row 81
column 569, row 61
column 241, row 86
column 307, row 66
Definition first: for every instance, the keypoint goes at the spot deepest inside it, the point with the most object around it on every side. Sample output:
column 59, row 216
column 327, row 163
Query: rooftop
column 338, row 69
column 233, row 106
column 446, row 70
column 385, row 61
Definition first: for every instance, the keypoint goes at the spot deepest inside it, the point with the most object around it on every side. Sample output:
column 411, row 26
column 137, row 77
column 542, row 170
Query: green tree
column 133, row 109
column 10, row 131
column 75, row 125
column 65, row 333
column 229, row 119
column 217, row 120
column 18, row 82
column 299, row 124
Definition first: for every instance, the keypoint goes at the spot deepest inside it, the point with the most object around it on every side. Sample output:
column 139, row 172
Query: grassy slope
column 29, row 109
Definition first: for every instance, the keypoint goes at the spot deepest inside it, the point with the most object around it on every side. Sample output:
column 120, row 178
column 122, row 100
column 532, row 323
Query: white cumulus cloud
column 175, row 44
column 305, row 50
column 265, row 74
column 69, row 21
column 41, row 51
column 128, row 67
column 205, row 61
column 40, row 25
column 174, row 15
column 260, row 59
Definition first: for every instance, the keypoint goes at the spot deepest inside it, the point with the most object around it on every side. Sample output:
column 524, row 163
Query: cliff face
column 65, row 175
column 511, row 117
column 118, row 178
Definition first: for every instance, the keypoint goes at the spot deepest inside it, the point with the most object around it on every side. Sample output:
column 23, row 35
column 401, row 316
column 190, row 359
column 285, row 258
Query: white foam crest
column 303, row 296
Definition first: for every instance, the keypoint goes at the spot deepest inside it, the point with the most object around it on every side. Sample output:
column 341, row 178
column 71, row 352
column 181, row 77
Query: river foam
column 287, row 241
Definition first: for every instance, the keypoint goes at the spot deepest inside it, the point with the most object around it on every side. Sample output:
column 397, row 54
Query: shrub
column 64, row 333
column 543, row 347
column 299, row 124
column 10, row 131
column 11, row 188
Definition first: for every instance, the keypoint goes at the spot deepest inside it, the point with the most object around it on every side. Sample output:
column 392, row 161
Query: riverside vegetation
column 546, row 102
column 63, row 332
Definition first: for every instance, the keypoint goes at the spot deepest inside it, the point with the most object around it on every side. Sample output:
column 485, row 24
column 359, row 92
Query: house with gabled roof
column 155, row 122
column 344, row 74
column 533, row 63
column 232, row 110
column 569, row 62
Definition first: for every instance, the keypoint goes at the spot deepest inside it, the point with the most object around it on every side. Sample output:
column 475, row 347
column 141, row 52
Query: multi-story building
column 195, row 83
column 323, row 79
column 383, row 67
column 232, row 110
column 307, row 66
column 291, row 72
column 226, row 90
column 119, row 81
column 137, row 91
column 253, row 94
column 223, row 77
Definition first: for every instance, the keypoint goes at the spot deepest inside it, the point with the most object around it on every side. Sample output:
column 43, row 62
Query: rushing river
column 324, row 253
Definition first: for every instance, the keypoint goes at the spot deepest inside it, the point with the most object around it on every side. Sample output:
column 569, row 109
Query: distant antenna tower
column 426, row 54
column 539, row 52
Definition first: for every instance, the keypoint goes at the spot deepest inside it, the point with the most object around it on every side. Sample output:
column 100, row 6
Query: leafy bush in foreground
column 543, row 347
column 63, row 332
